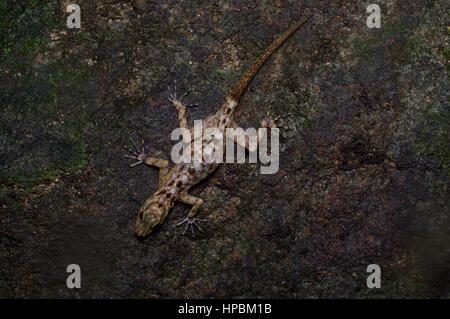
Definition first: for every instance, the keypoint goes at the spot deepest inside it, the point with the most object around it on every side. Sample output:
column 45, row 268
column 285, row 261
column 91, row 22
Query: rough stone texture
column 364, row 156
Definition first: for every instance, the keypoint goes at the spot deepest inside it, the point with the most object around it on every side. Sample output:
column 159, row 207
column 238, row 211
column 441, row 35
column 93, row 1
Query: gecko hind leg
column 178, row 104
column 246, row 142
column 191, row 221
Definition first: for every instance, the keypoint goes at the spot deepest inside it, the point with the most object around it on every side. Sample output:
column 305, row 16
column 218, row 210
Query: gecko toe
column 176, row 100
column 137, row 152
column 191, row 224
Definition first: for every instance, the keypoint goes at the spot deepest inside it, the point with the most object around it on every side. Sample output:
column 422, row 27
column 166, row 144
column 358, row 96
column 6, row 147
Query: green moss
column 363, row 47
column 51, row 105
column 3, row 193
column 44, row 113
column 395, row 28
column 370, row 43
column 9, row 199
column 24, row 28
column 416, row 44
column 225, row 75
column 446, row 52
column 75, row 160
column 78, row 159
column 434, row 137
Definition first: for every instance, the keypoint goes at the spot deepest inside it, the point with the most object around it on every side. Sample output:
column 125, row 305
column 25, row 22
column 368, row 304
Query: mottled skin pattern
column 174, row 183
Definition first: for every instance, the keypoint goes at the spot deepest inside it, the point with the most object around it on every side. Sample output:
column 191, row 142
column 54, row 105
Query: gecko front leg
column 142, row 157
column 178, row 104
column 191, row 220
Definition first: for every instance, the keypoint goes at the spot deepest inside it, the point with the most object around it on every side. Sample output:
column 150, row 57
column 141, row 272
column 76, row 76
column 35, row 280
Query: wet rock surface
column 364, row 158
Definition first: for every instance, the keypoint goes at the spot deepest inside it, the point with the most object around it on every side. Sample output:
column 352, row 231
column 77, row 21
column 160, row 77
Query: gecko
column 175, row 182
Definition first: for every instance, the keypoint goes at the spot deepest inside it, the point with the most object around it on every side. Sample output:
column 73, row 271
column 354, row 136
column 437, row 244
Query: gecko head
column 150, row 215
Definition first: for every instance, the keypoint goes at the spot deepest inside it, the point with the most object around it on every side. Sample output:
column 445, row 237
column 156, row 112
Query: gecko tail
column 238, row 90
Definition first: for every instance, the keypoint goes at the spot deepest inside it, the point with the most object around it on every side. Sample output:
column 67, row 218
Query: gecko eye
column 141, row 215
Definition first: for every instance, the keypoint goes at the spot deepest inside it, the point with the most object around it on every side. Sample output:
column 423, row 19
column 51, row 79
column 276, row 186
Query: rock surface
column 364, row 153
